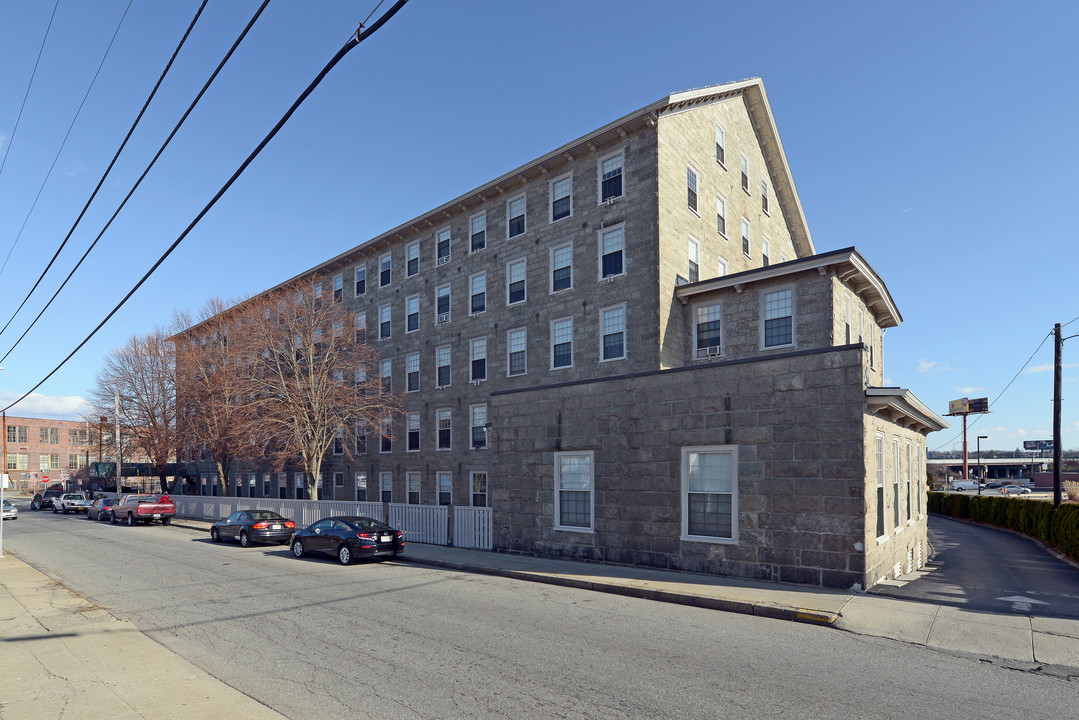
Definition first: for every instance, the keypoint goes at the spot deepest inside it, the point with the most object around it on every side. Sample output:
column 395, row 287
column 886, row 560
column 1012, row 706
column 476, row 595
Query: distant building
column 38, row 447
column 631, row 351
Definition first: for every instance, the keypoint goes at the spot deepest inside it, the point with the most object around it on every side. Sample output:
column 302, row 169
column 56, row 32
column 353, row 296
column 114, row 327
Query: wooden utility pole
column 1058, row 352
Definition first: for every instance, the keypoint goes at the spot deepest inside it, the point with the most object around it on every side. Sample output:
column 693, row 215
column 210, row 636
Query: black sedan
column 101, row 509
column 348, row 538
column 253, row 526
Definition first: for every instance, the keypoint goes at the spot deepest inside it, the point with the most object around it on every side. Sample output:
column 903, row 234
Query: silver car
column 10, row 512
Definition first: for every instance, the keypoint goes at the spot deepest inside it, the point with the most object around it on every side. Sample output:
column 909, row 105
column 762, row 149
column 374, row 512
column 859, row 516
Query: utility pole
column 1058, row 352
column 116, row 398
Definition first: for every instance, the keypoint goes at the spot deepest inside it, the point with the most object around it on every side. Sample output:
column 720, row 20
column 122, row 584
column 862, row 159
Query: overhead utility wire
column 1001, row 393
column 115, row 157
column 353, row 41
column 30, row 84
column 145, row 172
column 66, row 136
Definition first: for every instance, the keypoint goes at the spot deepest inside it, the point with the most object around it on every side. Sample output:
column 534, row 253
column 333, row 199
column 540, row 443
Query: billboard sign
column 1037, row 444
column 958, row 407
column 978, row 405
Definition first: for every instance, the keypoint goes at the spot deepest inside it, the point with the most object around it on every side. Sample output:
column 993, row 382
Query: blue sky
column 936, row 140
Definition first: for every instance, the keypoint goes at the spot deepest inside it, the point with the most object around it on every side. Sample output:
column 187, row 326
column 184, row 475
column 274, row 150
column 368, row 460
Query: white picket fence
column 428, row 524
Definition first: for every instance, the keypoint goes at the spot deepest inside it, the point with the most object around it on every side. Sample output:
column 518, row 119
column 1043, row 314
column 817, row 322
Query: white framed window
column 612, row 244
column 691, row 188
column 919, row 488
column 412, row 483
column 412, row 372
column 361, row 280
column 442, row 305
column 721, row 267
column 477, row 299
column 721, row 146
column 442, row 366
column 478, row 426
column 574, row 501
column 707, row 330
column 444, row 480
column 561, row 190
column 338, row 289
column 477, row 370
column 385, row 376
column 612, row 344
column 710, row 493
column 361, row 438
column 745, row 237
column 515, row 216
column 318, row 295
column 338, row 479
column 764, row 196
column 442, row 246
column 778, row 318
column 445, row 429
column 339, row 441
column 384, row 315
column 766, row 248
column 517, row 352
column 561, row 268
column 882, row 534
column 478, row 484
column 359, row 328
column 562, row 343
column 477, row 225
column 412, row 258
column 386, row 436
column 385, row 486
column 694, row 252
column 515, row 282
column 721, row 216
column 910, row 486
column 412, row 429
column 745, row 174
column 384, row 264
column 361, row 487
column 412, row 313
column 610, row 178
column 896, row 472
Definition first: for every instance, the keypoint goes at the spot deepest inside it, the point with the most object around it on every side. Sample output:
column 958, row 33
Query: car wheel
column 166, row 521
column 244, row 540
column 344, row 554
column 65, row 511
column 55, row 509
column 214, row 536
column 112, row 519
column 130, row 520
column 297, row 548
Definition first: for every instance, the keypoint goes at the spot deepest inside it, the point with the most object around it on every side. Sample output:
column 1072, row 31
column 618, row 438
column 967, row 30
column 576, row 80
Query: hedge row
column 1035, row 518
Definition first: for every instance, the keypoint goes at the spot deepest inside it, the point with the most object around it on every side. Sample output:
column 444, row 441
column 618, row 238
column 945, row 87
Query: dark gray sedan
column 101, row 509
column 253, row 526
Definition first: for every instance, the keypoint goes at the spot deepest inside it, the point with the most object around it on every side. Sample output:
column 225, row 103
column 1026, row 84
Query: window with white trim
column 574, row 500
column 412, row 429
column 386, row 436
column 721, row 267
column 318, row 295
column 361, row 280
column 384, row 270
column 691, row 188
column 412, row 372
column 764, row 196
column 881, row 532
column 385, row 486
column 745, row 174
column 610, row 178
column 478, row 426
column 708, row 339
column 721, row 146
column 339, row 441
column 361, row 487
column 517, row 349
column 515, row 282
column 613, row 340
column 384, row 314
column 338, row 289
column 359, row 328
column 478, row 483
column 515, row 212
column 478, row 232
column 478, row 294
column 896, row 472
column 745, row 237
column 694, row 260
column 561, row 268
column 611, row 249
column 412, row 482
column 765, row 250
column 385, row 376
column 562, row 343
column 778, row 318
column 412, row 313
column 412, row 256
column 561, row 198
column 442, row 366
column 910, row 487
column 721, row 215
column 361, row 438
column 444, row 480
column 478, row 368
column 709, row 493
column 919, row 488
column 445, row 429
column 442, row 305
column 442, row 247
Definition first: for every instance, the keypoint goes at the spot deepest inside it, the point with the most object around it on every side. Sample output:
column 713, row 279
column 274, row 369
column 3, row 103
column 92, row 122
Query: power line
column 30, row 84
column 111, row 163
column 145, row 172
column 353, row 41
column 66, row 136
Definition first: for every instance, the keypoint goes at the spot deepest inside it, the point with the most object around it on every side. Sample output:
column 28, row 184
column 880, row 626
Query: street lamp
column 980, row 469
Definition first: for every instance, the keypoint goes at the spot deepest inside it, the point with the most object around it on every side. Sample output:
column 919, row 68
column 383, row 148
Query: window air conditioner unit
column 474, row 382
column 443, row 318
column 443, row 260
column 610, row 200
column 713, row 351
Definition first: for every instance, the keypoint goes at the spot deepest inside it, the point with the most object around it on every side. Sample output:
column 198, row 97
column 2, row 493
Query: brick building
column 631, row 351
column 38, row 447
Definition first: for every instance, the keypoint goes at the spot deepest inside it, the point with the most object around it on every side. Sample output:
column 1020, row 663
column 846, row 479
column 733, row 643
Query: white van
column 965, row 485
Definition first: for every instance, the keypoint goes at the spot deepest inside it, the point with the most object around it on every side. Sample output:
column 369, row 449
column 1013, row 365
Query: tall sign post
column 964, row 407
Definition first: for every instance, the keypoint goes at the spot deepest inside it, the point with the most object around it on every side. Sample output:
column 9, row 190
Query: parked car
column 101, row 509
column 71, row 502
column 143, row 508
column 253, row 526
column 1014, row 490
column 44, row 501
column 10, row 512
column 348, row 538
column 993, row 485
column 965, row 485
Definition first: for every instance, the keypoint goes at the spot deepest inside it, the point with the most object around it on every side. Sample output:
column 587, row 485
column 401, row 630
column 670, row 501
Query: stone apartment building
column 631, row 351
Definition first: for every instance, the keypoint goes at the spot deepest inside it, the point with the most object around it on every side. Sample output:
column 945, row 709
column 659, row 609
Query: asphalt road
column 312, row 639
column 983, row 568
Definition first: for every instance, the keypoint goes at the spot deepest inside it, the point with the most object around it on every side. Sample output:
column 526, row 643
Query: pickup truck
column 143, row 508
column 71, row 502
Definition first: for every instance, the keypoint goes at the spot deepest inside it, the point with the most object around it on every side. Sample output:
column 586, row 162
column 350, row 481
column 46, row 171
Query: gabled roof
column 760, row 113
column 900, row 406
column 849, row 265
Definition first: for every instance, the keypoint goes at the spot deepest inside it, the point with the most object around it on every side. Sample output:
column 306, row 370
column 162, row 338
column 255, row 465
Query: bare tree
column 213, row 386
column 314, row 378
column 143, row 373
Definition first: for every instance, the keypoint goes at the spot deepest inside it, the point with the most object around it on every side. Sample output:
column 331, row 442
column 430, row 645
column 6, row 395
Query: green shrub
column 1064, row 530
column 1036, row 518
